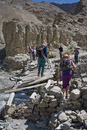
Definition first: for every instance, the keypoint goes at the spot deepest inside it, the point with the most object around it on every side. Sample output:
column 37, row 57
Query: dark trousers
column 76, row 59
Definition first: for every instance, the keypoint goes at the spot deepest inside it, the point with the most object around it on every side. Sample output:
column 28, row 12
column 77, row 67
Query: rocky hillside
column 66, row 7
column 81, row 8
column 74, row 24
column 27, row 10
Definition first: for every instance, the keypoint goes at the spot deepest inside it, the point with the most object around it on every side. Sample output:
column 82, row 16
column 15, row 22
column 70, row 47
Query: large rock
column 16, row 62
column 82, row 116
column 75, row 94
column 5, row 81
column 56, row 91
column 62, row 117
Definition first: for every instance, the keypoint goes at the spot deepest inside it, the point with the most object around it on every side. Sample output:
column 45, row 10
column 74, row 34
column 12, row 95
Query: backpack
column 76, row 52
column 61, row 49
column 40, row 51
column 66, row 64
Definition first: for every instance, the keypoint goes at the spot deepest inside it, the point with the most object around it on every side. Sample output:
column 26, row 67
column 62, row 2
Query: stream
column 20, row 97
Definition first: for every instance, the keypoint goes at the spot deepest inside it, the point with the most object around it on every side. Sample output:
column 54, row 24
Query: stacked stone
column 46, row 102
column 84, row 96
column 56, row 71
column 41, row 103
column 48, row 110
column 82, row 66
column 75, row 99
column 62, row 120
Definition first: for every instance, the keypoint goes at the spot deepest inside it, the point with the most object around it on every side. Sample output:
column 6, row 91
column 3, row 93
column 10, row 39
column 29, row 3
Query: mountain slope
column 27, row 10
column 81, row 8
column 15, row 12
column 66, row 7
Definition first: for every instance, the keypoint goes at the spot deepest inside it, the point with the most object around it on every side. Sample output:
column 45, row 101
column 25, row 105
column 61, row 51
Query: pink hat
column 66, row 56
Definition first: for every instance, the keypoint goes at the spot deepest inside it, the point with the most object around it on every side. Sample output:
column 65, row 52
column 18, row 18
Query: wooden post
column 9, row 103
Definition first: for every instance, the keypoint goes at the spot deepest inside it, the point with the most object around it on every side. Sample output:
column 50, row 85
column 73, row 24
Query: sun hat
column 45, row 43
column 66, row 56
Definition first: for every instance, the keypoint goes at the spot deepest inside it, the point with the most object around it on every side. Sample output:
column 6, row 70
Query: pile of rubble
column 82, row 66
column 48, row 109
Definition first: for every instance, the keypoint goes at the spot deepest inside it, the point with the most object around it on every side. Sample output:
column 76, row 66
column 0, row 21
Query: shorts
column 66, row 77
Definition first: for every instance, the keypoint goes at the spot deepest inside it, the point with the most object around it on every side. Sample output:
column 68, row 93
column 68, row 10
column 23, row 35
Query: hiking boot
column 67, row 96
column 42, row 75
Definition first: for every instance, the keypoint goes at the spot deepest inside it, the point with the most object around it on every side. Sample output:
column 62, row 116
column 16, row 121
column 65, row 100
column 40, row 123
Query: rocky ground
column 14, row 79
column 75, row 118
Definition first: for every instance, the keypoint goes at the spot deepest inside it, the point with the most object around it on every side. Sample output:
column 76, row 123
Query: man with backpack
column 60, row 52
column 68, row 68
column 76, row 53
column 42, row 58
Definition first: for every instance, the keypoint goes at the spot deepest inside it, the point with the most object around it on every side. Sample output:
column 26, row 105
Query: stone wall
column 48, row 110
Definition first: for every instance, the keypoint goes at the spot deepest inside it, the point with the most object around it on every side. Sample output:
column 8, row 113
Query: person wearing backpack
column 42, row 58
column 30, row 53
column 76, row 53
column 60, row 52
column 33, row 53
column 67, row 67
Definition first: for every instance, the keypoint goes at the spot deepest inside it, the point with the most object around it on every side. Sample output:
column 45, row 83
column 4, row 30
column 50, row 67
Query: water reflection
column 22, row 96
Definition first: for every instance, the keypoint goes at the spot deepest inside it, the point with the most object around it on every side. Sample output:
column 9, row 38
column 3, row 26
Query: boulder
column 16, row 62
column 75, row 94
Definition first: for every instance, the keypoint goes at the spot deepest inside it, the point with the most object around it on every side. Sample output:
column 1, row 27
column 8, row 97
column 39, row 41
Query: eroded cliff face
column 66, row 28
column 20, row 35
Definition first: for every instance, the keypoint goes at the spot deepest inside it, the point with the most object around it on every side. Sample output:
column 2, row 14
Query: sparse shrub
column 69, row 52
column 10, row 70
column 51, row 55
column 84, row 49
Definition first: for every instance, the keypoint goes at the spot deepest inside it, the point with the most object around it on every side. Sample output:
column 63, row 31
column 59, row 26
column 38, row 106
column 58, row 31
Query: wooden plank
column 9, row 103
column 42, row 79
column 20, row 89
column 37, row 81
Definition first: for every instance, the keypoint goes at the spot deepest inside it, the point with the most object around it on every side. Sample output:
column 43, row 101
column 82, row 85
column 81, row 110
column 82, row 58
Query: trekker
column 76, row 53
column 30, row 53
column 33, row 53
column 42, row 58
column 67, row 67
column 60, row 52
